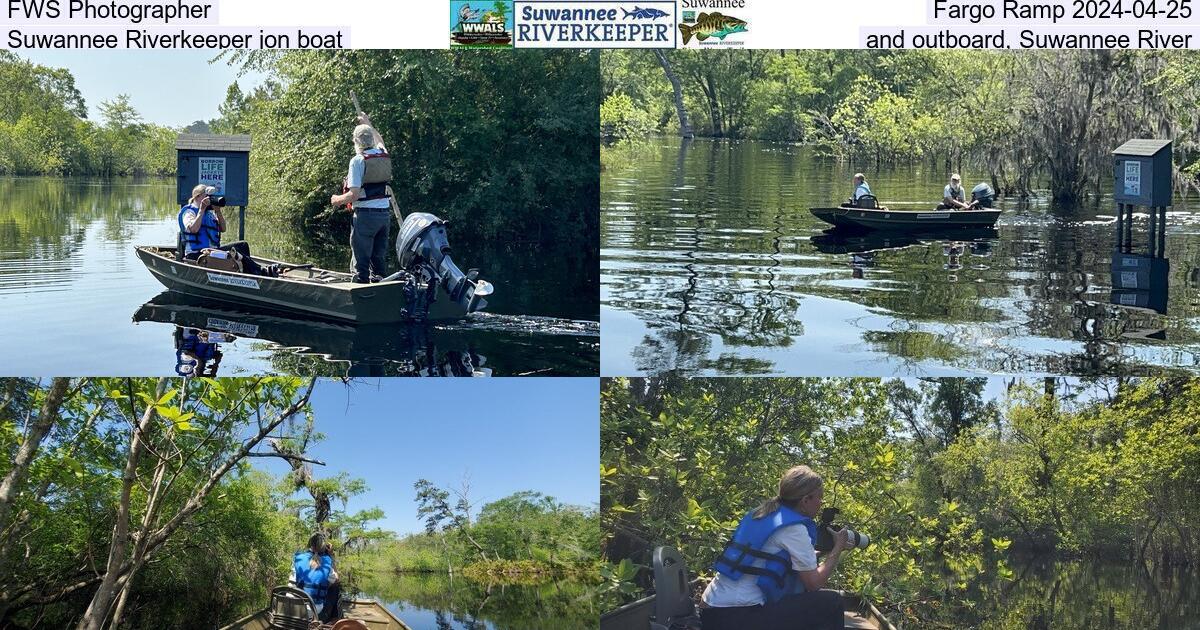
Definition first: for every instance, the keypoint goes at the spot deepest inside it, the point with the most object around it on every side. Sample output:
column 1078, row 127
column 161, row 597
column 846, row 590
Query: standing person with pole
column 367, row 189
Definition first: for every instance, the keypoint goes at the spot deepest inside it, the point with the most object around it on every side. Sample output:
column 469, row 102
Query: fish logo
column 644, row 14
column 712, row 25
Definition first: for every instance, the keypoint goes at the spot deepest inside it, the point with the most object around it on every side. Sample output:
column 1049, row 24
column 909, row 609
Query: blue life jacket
column 861, row 189
column 315, row 582
column 209, row 234
column 776, row 578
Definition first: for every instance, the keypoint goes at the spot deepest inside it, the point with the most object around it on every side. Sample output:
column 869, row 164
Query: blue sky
column 173, row 88
column 507, row 434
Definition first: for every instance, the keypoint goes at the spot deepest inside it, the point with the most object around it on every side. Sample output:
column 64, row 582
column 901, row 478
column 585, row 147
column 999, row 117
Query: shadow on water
column 1048, row 593
column 69, row 281
column 436, row 602
column 712, row 264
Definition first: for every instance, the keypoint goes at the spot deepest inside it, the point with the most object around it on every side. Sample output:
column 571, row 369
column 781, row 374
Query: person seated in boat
column 861, row 188
column 366, row 189
column 197, row 352
column 312, row 571
column 201, row 224
column 953, row 195
column 768, row 576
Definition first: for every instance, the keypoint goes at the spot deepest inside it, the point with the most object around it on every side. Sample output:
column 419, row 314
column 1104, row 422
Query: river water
column 75, row 300
column 711, row 264
column 1085, row 595
column 436, row 602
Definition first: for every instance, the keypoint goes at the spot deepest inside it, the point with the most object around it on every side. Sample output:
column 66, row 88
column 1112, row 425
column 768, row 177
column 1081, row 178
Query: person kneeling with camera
column 201, row 224
column 768, row 577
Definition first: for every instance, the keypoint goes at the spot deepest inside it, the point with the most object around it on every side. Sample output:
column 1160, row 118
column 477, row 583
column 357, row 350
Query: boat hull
column 311, row 292
column 370, row 612
column 637, row 615
column 906, row 220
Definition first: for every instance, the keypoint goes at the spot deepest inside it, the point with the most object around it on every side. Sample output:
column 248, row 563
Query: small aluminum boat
column 855, row 218
column 430, row 286
column 369, row 613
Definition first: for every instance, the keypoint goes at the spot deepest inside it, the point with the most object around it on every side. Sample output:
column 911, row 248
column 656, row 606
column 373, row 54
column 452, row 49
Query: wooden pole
column 241, row 223
column 1153, row 230
column 1162, row 233
column 1120, row 225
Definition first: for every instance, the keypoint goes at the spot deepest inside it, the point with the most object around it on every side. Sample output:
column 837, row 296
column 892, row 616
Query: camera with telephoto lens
column 826, row 531
column 217, row 202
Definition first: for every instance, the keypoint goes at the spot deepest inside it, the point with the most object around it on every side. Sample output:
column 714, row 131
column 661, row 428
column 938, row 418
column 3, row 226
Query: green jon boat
column 855, row 218
column 292, row 609
column 430, row 286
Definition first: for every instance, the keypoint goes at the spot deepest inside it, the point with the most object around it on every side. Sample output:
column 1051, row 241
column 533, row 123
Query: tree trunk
column 47, row 416
column 714, row 106
column 119, row 570
column 685, row 127
column 97, row 610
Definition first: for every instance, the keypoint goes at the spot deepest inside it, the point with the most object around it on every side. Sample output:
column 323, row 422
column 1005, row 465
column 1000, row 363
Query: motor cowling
column 983, row 195
column 423, row 250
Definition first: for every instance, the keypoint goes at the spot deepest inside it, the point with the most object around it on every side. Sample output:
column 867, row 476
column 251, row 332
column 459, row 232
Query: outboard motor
column 424, row 252
column 983, row 195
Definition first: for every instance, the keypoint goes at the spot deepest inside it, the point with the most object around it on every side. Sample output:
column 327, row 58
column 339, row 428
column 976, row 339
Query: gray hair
column 364, row 138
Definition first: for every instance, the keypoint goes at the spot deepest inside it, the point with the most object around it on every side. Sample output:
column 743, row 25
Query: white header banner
column 697, row 24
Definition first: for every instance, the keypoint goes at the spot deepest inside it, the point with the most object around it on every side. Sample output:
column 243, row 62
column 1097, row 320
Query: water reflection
column 202, row 326
column 712, row 264
column 437, row 602
column 1048, row 593
column 69, row 281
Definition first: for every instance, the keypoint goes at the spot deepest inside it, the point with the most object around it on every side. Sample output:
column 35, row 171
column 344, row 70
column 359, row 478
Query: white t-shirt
column 959, row 194
column 724, row 592
column 358, row 167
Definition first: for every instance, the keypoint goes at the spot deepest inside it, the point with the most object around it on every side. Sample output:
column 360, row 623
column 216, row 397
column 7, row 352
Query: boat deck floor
column 855, row 621
column 303, row 274
column 372, row 615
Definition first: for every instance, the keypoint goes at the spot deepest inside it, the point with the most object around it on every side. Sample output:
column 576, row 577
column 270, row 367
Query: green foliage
column 1034, row 120
column 236, row 541
column 947, row 483
column 44, row 128
column 526, row 533
column 501, row 143
column 620, row 119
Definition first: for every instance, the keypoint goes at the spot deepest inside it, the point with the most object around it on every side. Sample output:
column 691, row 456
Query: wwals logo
column 477, row 24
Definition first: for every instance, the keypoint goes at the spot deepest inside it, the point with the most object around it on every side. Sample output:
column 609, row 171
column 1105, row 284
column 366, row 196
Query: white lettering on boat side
column 233, row 281
column 237, row 328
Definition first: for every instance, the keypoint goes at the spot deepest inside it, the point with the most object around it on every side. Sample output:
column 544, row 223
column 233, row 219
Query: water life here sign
column 212, row 173
column 1133, row 178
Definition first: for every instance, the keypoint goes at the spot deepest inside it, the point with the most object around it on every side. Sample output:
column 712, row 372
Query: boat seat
column 867, row 202
column 673, row 605
column 291, row 609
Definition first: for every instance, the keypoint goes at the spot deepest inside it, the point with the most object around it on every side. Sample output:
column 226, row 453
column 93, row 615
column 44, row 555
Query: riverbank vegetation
column 524, row 536
column 952, row 483
column 1044, row 120
column 44, row 129
column 503, row 144
column 132, row 503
